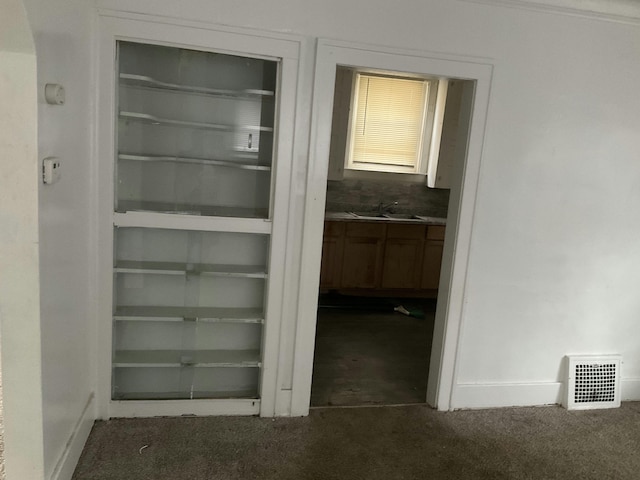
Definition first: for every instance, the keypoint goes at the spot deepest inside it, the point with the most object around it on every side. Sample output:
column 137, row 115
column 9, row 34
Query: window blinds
column 388, row 122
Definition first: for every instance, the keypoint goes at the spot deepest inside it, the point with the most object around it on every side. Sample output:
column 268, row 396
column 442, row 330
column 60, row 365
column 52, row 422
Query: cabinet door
column 403, row 256
column 363, row 255
column 332, row 254
column 432, row 257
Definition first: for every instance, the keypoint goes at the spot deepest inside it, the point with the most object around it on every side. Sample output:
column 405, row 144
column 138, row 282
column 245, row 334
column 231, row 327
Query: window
column 391, row 123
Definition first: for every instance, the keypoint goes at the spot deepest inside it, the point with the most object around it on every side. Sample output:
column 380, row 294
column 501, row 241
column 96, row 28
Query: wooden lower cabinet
column 389, row 258
column 363, row 254
column 332, row 255
column 432, row 260
column 403, row 253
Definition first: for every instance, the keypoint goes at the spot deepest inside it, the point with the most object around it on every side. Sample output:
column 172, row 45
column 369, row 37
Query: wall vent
column 593, row 382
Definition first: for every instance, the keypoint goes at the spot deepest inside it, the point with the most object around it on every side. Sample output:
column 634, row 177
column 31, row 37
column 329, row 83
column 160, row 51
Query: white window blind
column 388, row 122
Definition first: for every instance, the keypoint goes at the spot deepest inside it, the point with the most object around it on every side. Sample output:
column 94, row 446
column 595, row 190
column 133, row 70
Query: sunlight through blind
column 389, row 119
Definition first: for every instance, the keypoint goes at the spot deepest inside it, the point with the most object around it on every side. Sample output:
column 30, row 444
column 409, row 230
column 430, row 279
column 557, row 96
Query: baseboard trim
column 493, row 395
column 67, row 462
column 630, row 389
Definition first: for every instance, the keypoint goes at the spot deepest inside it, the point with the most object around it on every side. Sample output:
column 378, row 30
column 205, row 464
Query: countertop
column 352, row 217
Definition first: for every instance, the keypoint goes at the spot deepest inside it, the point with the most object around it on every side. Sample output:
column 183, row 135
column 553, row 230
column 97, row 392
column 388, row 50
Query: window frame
column 428, row 126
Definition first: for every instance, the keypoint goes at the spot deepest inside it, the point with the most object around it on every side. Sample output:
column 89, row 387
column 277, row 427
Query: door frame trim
column 449, row 315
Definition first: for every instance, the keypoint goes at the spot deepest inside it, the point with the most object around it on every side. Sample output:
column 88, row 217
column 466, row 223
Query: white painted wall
column 552, row 260
column 19, row 271
column 62, row 31
column 553, row 250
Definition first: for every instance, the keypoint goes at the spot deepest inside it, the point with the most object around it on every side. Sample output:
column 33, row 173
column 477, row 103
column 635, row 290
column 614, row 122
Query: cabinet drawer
column 435, row 232
column 366, row 229
column 406, row 231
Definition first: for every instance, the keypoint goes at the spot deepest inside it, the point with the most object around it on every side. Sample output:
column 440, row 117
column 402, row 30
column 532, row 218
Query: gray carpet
column 411, row 442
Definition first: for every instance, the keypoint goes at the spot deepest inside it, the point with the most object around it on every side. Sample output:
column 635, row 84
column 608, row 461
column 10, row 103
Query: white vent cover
column 593, row 382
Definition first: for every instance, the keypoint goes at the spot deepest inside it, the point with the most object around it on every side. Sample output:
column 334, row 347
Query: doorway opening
column 441, row 377
column 382, row 245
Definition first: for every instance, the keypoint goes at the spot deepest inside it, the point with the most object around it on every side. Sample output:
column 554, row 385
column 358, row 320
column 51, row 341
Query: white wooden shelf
column 181, row 268
column 180, row 314
column 180, row 358
column 186, row 209
column 172, row 122
column 196, row 161
column 185, row 395
column 152, row 83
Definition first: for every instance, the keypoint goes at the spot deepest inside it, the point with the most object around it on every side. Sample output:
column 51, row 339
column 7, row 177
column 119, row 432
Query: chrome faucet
column 386, row 208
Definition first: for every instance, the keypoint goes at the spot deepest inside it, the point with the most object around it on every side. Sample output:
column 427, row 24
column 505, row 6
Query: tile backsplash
column 365, row 195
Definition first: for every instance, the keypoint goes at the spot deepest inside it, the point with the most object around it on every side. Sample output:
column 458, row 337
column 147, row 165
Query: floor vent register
column 593, row 382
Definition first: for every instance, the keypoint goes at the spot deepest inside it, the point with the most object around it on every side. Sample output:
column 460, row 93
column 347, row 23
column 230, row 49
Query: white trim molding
column 619, row 11
column 73, row 449
column 330, row 54
column 498, row 395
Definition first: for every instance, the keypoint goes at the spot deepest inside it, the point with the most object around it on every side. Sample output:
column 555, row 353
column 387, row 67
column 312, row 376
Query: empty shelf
column 197, row 161
column 180, row 358
column 150, row 82
column 186, row 209
column 151, row 119
column 179, row 314
column 179, row 268
column 252, row 393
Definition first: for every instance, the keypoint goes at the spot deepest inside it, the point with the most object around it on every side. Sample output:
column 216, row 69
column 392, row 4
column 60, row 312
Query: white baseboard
column 630, row 389
column 67, row 462
column 492, row 395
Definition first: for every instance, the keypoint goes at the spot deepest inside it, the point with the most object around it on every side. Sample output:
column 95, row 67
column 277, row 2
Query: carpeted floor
column 410, row 442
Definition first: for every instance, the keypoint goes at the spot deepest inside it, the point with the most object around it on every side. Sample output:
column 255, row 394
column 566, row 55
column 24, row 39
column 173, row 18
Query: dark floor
column 372, row 443
column 367, row 354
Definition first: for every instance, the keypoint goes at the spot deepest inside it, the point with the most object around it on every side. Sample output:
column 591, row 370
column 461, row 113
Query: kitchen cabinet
column 189, row 143
column 382, row 258
column 403, row 252
column 432, row 260
column 363, row 255
column 332, row 255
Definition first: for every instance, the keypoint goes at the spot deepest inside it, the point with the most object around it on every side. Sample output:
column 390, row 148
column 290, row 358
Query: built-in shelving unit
column 149, row 82
column 197, row 161
column 142, row 313
column 180, row 268
column 180, row 358
column 195, row 137
column 190, row 209
column 172, row 122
